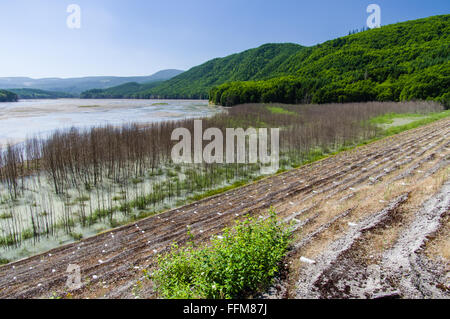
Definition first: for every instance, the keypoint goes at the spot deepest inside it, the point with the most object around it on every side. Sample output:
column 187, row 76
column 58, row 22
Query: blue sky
column 140, row 37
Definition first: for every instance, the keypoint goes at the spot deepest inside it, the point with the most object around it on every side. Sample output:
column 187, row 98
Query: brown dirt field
column 371, row 219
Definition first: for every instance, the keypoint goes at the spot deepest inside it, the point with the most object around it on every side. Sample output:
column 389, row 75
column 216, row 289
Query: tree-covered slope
column 404, row 61
column 253, row 64
column 132, row 90
column 7, row 96
column 39, row 94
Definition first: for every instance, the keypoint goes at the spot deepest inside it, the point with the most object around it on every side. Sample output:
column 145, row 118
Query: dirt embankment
column 368, row 223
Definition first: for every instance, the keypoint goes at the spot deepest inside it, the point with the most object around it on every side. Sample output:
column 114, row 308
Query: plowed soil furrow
column 320, row 199
column 317, row 280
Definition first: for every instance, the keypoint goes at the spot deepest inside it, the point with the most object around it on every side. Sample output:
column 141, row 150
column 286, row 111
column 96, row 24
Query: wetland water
column 27, row 118
column 39, row 207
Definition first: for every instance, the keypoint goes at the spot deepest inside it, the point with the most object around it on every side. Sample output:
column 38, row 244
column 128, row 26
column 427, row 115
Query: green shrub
column 27, row 234
column 172, row 173
column 82, row 199
column 6, row 215
column 76, row 236
column 280, row 110
column 242, row 261
column 4, row 261
column 136, row 181
column 8, row 240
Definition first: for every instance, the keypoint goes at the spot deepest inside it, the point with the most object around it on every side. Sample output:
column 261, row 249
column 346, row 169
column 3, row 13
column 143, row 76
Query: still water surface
column 28, row 118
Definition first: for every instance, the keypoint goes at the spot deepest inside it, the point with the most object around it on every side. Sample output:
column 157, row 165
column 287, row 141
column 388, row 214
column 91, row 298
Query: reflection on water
column 27, row 118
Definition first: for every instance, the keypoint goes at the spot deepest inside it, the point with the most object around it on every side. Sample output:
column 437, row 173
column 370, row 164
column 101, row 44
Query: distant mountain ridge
column 77, row 85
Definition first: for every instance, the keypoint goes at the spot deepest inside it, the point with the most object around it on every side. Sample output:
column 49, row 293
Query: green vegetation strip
column 217, row 191
column 241, row 262
column 280, row 110
column 388, row 118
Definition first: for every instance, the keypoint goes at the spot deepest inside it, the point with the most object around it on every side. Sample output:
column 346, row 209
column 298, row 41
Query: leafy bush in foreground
column 241, row 261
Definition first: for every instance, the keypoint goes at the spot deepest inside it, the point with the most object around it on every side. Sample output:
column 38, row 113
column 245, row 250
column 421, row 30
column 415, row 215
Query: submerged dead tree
column 104, row 170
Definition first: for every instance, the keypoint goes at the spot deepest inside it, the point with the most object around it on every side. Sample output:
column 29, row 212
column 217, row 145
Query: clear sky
column 140, row 37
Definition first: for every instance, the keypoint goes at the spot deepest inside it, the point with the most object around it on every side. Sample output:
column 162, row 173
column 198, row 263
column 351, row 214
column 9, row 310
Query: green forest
column 404, row 61
column 398, row 62
column 131, row 90
column 39, row 94
column 7, row 96
column 253, row 64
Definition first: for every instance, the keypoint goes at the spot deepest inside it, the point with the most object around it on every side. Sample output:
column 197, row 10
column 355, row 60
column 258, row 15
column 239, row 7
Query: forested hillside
column 404, row 61
column 6, row 96
column 39, row 94
column 253, row 64
column 132, row 90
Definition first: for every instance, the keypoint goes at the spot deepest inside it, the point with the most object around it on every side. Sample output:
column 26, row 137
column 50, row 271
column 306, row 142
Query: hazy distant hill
column 78, row 85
